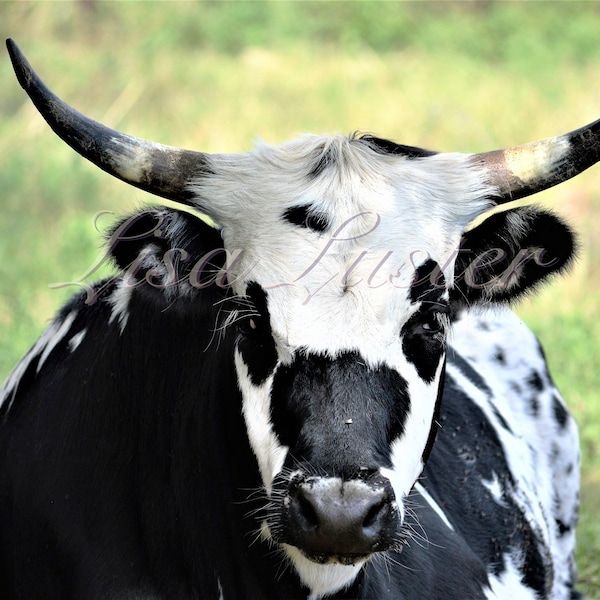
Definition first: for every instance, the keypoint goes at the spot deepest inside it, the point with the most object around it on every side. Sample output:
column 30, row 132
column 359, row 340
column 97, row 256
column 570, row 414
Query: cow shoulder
column 508, row 439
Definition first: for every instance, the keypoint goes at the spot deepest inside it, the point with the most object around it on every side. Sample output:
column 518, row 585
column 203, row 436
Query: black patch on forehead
column 255, row 343
column 302, row 216
column 337, row 414
column 383, row 146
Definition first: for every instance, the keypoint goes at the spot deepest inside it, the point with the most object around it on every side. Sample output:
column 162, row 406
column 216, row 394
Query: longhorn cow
column 306, row 398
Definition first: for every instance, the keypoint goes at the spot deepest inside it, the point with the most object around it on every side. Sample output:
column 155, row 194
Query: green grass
column 215, row 75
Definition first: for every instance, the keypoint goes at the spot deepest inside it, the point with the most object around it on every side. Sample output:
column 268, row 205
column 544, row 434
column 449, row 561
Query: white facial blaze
column 407, row 450
column 256, row 407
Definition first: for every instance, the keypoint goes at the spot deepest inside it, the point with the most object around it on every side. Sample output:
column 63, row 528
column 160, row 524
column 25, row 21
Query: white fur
column 434, row 505
column 407, row 450
column 76, row 340
column 380, row 208
column 509, row 584
column 322, row 579
column 256, row 406
column 495, row 489
column 54, row 334
column 119, row 301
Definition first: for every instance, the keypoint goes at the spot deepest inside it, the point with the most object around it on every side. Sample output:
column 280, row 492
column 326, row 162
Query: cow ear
column 509, row 254
column 166, row 250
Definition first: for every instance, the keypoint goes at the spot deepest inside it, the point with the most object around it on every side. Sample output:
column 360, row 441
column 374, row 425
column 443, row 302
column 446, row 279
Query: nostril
column 374, row 514
column 306, row 512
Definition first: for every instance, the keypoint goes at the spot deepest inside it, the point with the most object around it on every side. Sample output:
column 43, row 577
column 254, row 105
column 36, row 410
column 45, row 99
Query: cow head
column 351, row 261
column 349, row 258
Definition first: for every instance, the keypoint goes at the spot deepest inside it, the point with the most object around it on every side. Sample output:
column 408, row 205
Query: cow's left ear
column 509, row 254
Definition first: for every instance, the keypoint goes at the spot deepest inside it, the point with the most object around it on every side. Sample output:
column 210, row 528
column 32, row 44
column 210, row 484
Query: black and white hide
column 319, row 395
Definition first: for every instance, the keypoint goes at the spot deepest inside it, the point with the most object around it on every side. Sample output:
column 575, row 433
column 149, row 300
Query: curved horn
column 155, row 168
column 524, row 170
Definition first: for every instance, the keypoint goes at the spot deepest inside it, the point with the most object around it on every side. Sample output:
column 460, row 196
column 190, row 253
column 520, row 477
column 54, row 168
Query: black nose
column 335, row 517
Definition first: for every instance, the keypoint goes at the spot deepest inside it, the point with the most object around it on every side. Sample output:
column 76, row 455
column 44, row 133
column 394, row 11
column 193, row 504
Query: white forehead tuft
column 370, row 201
column 261, row 184
column 386, row 214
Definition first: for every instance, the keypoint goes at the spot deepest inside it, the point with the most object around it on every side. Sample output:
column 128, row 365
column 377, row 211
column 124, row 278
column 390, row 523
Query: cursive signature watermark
column 159, row 263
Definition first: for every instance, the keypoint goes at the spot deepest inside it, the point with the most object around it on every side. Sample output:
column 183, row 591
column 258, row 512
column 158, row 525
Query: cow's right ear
column 166, row 250
column 510, row 254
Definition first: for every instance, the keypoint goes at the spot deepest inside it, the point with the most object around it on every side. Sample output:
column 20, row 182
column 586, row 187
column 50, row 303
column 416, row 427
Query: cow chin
column 324, row 574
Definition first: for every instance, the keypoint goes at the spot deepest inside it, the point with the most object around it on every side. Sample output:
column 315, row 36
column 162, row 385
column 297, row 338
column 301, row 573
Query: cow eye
column 432, row 324
column 433, row 320
column 248, row 325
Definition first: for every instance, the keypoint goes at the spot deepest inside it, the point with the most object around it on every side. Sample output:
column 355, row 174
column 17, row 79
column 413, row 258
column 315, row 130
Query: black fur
column 255, row 342
column 510, row 254
column 316, row 389
column 303, row 216
column 140, row 478
column 383, row 146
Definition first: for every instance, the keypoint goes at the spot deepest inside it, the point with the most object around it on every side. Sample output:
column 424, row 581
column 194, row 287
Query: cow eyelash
column 236, row 311
column 248, row 317
column 438, row 307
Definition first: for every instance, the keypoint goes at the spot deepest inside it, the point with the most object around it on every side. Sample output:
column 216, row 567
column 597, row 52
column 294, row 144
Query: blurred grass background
column 212, row 76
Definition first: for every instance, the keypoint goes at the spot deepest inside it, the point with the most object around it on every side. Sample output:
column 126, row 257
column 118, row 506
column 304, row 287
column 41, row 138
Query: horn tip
column 22, row 68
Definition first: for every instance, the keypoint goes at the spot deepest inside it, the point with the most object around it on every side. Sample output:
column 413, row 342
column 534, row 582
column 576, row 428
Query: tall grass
column 215, row 75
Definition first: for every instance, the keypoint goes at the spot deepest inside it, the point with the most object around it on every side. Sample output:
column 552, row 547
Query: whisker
column 389, row 560
column 230, row 310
